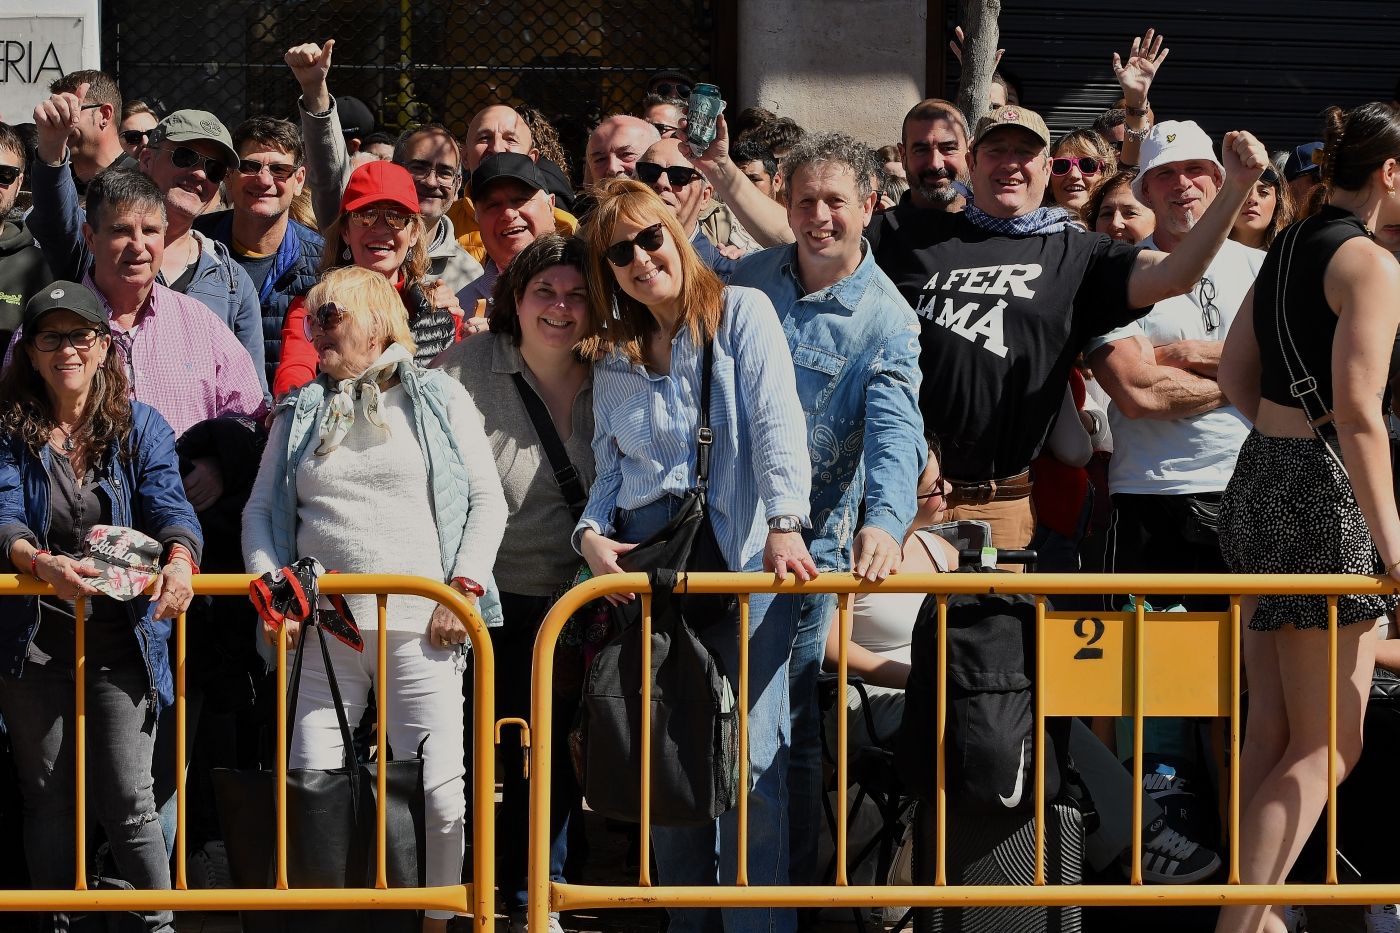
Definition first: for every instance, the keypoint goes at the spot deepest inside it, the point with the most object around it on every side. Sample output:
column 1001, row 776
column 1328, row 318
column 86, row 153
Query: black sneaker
column 1170, row 858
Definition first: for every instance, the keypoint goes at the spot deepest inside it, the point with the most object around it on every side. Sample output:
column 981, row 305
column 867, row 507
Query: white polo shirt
column 1194, row 454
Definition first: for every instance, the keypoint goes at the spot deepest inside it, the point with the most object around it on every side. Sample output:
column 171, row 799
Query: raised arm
column 327, row 162
column 1157, row 276
column 57, row 218
column 759, row 214
column 1135, row 79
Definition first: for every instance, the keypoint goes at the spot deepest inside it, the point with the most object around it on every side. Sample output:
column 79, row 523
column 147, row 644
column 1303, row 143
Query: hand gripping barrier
column 476, row 898
column 1135, row 663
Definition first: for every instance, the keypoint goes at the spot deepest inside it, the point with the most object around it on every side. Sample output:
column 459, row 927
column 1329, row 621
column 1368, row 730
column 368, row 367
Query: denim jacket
column 855, row 347
column 146, row 494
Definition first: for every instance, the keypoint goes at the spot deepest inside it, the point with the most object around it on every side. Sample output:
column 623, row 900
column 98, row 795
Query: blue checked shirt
column 644, row 431
column 856, row 350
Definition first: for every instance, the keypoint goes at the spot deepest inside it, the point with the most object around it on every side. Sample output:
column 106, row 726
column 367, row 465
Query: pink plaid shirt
column 184, row 361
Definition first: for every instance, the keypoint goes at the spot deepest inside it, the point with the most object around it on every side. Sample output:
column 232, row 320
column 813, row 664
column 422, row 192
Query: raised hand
column 955, row 46
column 55, row 120
column 1144, row 58
column 310, row 63
column 1245, row 158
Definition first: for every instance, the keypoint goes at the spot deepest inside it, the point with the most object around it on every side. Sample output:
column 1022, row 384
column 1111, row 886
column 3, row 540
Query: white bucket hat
column 1174, row 141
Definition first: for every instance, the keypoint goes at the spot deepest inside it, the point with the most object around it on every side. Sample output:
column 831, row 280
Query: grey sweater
column 535, row 557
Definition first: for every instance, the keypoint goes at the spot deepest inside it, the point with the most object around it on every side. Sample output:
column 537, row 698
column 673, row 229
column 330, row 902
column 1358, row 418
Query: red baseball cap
column 379, row 181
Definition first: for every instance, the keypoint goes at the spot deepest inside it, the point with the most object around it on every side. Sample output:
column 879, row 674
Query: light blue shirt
column 856, row 349
column 644, row 441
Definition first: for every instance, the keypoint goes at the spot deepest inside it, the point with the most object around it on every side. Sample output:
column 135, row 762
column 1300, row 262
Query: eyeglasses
column 443, row 173
column 1088, row 165
column 84, row 338
column 395, row 220
column 8, row 174
column 937, row 490
column 678, row 175
column 327, row 317
column 672, row 89
column 185, row 157
column 623, row 252
column 134, row 138
column 1210, row 314
column 280, row 171
column 666, row 129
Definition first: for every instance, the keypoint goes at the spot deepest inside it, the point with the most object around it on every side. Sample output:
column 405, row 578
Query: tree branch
column 981, row 35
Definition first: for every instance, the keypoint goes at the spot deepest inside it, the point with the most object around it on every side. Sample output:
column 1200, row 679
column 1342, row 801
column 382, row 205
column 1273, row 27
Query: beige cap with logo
column 1011, row 115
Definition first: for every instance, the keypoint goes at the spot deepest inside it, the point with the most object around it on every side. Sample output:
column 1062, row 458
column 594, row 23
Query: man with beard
column 1008, row 293
column 1175, row 436
column 23, row 271
column 933, row 149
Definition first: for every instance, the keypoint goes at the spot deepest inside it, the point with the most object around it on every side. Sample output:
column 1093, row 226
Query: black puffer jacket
column 23, row 272
column 434, row 329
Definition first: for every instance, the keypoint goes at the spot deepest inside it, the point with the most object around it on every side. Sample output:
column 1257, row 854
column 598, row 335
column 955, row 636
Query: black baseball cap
column 65, row 296
column 514, row 165
column 356, row 120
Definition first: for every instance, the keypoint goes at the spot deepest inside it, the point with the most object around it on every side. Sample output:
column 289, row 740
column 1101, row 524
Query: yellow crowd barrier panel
column 1134, row 664
column 476, row 898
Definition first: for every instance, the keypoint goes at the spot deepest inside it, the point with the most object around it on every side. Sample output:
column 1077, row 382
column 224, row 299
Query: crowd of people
column 1129, row 348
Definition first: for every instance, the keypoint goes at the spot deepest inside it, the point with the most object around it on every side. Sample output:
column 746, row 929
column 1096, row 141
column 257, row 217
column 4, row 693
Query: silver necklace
column 67, row 439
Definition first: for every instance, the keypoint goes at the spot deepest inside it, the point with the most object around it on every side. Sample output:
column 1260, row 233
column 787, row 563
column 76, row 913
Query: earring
column 345, row 254
column 1390, row 191
column 616, row 313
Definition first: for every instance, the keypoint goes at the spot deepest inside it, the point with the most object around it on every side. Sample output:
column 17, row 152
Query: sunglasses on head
column 394, row 220
column 672, row 89
column 666, row 129
column 280, row 171
column 1088, row 165
column 185, row 157
column 1269, row 177
column 8, row 174
column 134, row 138
column 678, row 175
column 623, row 252
column 327, row 317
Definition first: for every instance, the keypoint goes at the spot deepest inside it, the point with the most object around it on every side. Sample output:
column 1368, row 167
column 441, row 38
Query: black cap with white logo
column 65, row 296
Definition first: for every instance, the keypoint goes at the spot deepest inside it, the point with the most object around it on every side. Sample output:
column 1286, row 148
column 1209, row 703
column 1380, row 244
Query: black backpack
column 694, row 718
column 990, row 751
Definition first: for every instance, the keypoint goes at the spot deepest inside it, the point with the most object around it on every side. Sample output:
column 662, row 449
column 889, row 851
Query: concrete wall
column 850, row 65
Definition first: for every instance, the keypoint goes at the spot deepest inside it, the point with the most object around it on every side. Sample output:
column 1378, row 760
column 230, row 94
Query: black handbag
column 688, row 541
column 330, row 827
column 694, row 761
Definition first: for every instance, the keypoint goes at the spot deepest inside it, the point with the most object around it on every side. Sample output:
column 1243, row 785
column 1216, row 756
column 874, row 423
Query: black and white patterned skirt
column 1289, row 508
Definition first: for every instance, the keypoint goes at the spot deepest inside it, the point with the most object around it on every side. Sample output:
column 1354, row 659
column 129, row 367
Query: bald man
column 493, row 130
column 615, row 146
column 665, row 167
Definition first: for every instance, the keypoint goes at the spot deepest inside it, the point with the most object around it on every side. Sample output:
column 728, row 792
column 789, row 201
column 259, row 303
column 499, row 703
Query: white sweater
column 365, row 507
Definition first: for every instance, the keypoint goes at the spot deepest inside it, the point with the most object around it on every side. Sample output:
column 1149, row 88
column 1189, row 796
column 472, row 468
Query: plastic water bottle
column 702, row 113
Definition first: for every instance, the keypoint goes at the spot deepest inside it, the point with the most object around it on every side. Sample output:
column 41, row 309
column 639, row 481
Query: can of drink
column 702, row 112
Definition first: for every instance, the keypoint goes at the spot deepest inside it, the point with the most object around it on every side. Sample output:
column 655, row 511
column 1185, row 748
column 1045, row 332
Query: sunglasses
column 134, row 138
column 280, row 171
column 1088, row 165
column 1210, row 314
column 623, row 252
column 671, row 89
column 394, row 220
column 327, row 317
column 678, row 175
column 185, row 157
column 8, row 174
column 936, row 491
column 84, row 338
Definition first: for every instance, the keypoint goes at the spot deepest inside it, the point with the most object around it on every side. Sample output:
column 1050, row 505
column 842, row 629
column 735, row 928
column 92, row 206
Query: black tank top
column 1293, row 271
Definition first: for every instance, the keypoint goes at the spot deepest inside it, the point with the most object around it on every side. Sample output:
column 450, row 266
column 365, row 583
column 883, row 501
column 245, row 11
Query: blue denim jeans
column 805, row 764
column 702, row 855
column 38, row 711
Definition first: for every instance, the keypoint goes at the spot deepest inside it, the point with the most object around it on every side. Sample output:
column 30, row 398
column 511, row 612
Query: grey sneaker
column 208, row 867
column 1170, row 858
column 1382, row 918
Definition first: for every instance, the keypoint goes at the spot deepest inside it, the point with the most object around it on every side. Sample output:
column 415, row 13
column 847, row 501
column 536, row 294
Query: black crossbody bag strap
column 704, row 437
column 575, row 496
column 1302, row 385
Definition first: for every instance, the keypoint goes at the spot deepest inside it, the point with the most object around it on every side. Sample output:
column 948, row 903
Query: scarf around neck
column 1040, row 221
column 340, row 410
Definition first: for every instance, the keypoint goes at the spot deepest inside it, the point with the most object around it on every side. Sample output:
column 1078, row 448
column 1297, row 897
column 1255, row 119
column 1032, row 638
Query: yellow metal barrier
column 1109, row 664
column 476, row 898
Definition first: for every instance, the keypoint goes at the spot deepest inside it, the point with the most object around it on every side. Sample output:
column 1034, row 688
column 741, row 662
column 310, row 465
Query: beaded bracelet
column 34, row 562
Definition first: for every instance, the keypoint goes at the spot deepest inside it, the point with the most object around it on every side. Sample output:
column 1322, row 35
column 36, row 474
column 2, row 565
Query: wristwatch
column 785, row 524
column 468, row 585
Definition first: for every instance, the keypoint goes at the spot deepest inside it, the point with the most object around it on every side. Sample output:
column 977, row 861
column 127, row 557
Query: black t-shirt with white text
column 1002, row 319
